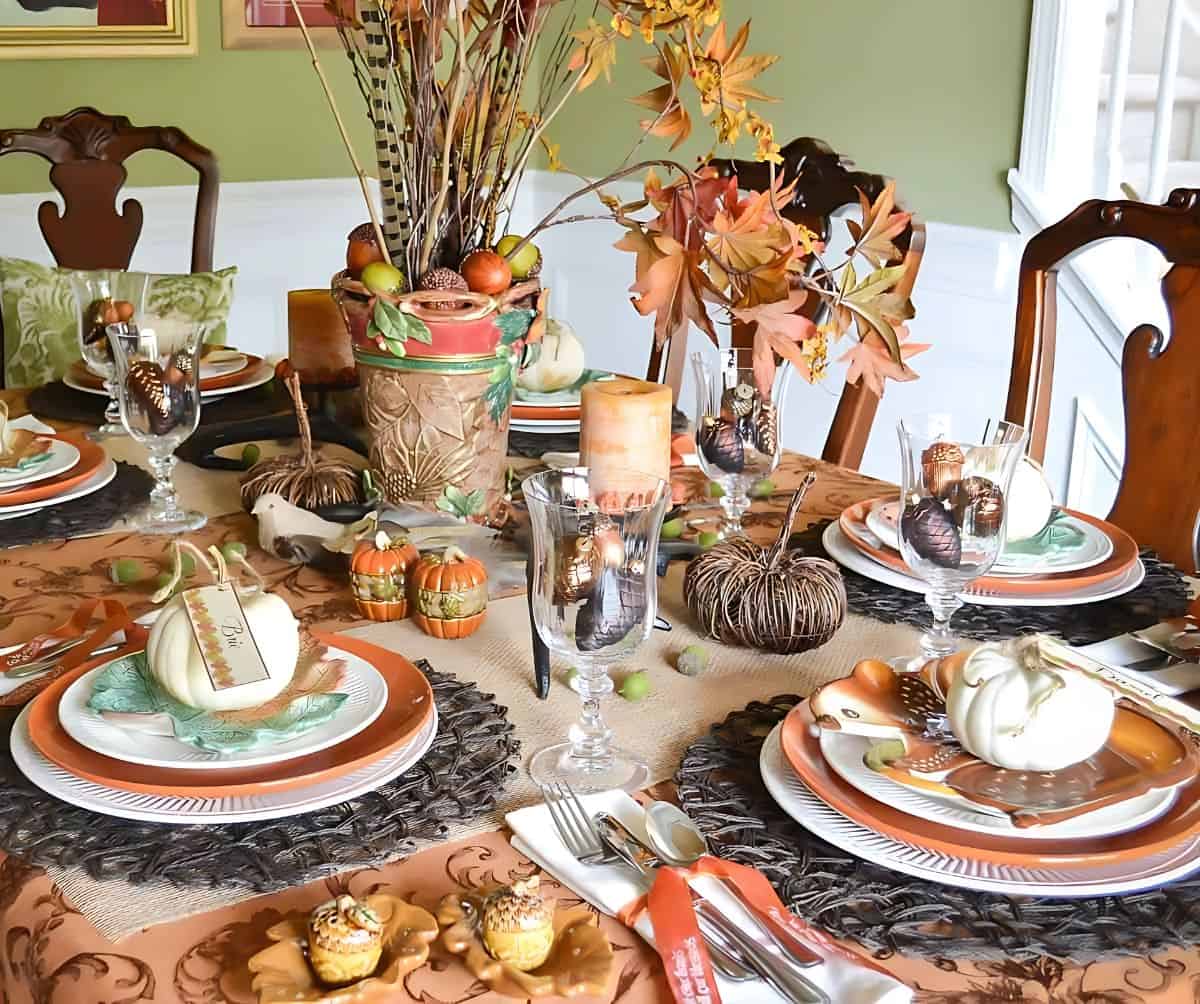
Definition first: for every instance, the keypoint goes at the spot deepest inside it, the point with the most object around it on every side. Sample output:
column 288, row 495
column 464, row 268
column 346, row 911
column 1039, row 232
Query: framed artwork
column 272, row 24
column 82, row 29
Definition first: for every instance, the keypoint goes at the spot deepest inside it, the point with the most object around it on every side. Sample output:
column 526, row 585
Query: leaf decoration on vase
column 391, row 327
column 461, row 504
column 126, row 688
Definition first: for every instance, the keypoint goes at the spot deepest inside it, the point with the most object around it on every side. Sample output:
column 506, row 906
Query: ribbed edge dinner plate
column 799, row 802
column 245, row 379
column 62, row 456
column 64, row 785
column 91, row 458
column 366, row 696
column 844, row 754
column 409, row 705
column 801, row 749
column 106, row 472
column 845, row 553
column 213, row 376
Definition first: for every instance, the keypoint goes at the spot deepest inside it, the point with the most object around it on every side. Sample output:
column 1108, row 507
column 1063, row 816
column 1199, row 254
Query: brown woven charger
column 721, row 789
column 1163, row 594
column 472, row 756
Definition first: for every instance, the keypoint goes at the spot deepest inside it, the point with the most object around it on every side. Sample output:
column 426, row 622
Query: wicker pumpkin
column 379, row 571
column 766, row 598
column 449, row 594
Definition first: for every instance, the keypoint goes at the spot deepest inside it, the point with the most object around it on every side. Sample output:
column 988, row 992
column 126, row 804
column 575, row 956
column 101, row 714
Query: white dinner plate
column 799, row 802
column 64, row 785
column 62, row 457
column 844, row 754
column 106, row 472
column 845, row 553
column 254, row 378
column 366, row 694
column 519, row 425
column 1097, row 546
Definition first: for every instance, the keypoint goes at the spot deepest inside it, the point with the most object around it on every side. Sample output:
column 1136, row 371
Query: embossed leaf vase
column 436, row 373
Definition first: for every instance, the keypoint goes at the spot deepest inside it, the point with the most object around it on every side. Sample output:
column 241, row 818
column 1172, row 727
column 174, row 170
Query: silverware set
column 50, row 658
column 604, row 841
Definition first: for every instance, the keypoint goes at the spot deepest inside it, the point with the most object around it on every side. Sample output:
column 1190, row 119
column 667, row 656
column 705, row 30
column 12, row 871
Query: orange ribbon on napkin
column 116, row 618
column 677, row 935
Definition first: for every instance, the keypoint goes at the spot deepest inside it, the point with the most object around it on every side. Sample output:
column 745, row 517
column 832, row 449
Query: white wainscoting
column 291, row 235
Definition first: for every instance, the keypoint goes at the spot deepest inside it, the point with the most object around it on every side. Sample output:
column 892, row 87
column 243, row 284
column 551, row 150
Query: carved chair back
column 826, row 183
column 87, row 151
column 1158, row 501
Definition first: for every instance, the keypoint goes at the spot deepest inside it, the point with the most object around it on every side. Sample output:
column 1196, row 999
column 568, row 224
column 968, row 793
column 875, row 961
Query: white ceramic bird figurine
column 302, row 537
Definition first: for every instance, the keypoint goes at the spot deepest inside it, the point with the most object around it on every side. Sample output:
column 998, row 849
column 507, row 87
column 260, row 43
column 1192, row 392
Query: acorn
column 486, row 272
column 438, row 280
column 738, row 401
column 942, row 466
column 362, row 249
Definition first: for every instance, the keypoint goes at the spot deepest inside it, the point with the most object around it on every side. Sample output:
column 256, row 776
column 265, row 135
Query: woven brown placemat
column 123, row 495
column 721, row 789
column 472, row 756
column 1163, row 594
column 57, row 402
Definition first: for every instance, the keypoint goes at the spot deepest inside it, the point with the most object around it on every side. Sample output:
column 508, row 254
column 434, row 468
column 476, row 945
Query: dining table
column 68, row 936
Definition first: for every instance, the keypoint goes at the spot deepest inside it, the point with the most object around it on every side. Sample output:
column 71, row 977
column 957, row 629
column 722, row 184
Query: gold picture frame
column 50, row 41
column 236, row 33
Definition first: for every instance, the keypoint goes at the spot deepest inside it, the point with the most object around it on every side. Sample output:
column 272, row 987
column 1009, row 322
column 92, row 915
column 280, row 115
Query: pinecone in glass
column 766, row 428
column 721, row 445
column 145, row 382
column 930, row 530
column 942, row 464
column 616, row 604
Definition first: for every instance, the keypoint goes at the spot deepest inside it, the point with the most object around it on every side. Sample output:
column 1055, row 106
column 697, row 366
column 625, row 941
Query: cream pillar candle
column 625, row 425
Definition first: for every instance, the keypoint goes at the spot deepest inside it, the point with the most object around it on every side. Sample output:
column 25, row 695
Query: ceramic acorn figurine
column 345, row 940
column 517, row 925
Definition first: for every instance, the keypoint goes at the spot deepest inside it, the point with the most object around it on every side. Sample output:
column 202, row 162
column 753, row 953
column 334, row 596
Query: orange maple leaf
column 723, row 77
column 675, row 289
column 871, row 361
column 780, row 330
column 880, row 226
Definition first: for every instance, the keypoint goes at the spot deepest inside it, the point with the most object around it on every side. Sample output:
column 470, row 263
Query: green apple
column 380, row 277
column 525, row 261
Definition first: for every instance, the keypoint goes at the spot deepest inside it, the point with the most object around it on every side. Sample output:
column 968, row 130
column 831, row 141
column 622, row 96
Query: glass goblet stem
column 164, row 503
column 591, row 738
column 735, row 503
column 938, row 642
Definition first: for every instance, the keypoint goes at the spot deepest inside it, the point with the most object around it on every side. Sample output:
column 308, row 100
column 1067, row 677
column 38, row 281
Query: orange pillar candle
column 625, row 425
column 319, row 347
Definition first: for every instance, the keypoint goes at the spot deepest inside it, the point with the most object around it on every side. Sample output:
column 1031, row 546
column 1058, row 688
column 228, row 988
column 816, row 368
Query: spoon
column 679, row 841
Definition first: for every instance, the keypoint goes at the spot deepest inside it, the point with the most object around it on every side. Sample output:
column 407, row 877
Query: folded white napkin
column 31, row 424
column 611, row 888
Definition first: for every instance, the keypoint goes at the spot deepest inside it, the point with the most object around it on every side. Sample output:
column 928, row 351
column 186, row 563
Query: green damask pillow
column 40, row 324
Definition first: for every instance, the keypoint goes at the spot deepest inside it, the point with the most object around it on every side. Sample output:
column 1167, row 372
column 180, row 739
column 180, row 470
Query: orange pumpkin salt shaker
column 449, row 594
column 379, row 571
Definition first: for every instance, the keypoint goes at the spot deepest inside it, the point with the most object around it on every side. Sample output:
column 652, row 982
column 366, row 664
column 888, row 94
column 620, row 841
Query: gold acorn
column 345, row 940
column 738, row 401
column 942, row 465
column 518, row 925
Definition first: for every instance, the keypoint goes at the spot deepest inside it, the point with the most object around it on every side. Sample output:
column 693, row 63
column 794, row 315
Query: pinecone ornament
column 721, row 445
column 146, row 384
column 766, row 429
column 930, row 530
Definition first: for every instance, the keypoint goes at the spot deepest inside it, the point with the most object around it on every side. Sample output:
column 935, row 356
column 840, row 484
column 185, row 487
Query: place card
column 223, row 636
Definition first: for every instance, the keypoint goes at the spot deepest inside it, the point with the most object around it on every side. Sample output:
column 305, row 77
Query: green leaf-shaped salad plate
column 119, row 710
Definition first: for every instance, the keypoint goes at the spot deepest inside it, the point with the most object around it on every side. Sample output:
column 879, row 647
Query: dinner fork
column 580, row 838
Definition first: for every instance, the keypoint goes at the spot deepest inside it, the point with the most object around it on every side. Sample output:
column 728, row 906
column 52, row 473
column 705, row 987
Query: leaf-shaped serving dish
column 906, row 713
column 125, row 694
column 282, row 974
column 580, row 961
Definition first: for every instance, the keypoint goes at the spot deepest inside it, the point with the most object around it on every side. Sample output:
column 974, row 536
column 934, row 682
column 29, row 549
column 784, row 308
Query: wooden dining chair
column 1158, row 499
column 87, row 151
column 826, row 183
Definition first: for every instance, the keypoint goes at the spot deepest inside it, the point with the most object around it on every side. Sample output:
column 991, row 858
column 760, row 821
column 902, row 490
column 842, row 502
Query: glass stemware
column 102, row 298
column 595, row 540
column 737, row 429
column 158, row 388
column 954, row 504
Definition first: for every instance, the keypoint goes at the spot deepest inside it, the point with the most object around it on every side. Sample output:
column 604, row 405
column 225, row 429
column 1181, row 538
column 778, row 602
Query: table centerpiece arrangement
column 442, row 299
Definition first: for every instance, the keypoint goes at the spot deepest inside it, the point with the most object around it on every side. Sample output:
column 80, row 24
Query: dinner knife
column 541, row 654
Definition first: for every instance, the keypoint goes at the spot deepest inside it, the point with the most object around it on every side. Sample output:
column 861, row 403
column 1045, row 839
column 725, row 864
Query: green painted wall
column 262, row 112
column 929, row 91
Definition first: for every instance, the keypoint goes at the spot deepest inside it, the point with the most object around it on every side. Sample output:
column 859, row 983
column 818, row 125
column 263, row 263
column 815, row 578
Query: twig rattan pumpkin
column 767, row 598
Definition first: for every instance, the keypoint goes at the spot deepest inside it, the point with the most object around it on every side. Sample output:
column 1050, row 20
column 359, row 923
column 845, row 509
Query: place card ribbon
column 223, row 636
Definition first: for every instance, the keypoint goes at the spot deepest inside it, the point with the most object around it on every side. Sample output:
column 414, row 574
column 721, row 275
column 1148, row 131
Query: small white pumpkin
column 560, row 362
column 174, row 658
column 1012, row 710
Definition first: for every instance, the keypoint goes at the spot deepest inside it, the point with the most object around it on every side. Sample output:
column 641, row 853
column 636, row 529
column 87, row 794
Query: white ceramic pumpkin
column 1030, row 502
column 1013, row 710
column 176, row 663
column 560, row 362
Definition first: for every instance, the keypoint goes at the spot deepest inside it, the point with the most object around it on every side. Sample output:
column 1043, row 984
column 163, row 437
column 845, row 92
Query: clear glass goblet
column 737, row 429
column 102, row 298
column 595, row 540
column 158, row 389
column 954, row 506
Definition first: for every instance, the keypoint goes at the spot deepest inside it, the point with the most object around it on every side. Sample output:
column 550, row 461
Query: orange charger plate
column 91, row 458
column 409, row 706
column 802, row 749
column 85, row 376
column 1125, row 553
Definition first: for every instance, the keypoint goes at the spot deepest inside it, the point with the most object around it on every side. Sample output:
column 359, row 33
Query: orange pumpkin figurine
column 449, row 594
column 379, row 571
